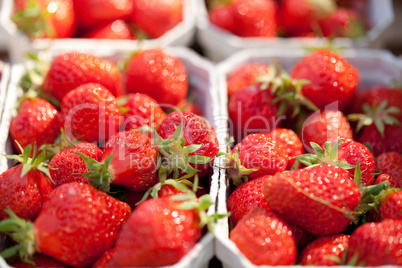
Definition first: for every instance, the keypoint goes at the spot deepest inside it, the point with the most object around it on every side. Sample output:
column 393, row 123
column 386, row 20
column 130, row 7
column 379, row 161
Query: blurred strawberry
column 342, row 23
column 390, row 163
column 117, row 29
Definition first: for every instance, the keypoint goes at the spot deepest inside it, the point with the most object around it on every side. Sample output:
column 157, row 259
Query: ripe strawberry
column 359, row 98
column 221, row 15
column 309, row 200
column 158, row 233
column 191, row 107
column 90, row 113
column 246, row 197
column 375, row 244
column 74, row 226
column 192, row 154
column 379, row 143
column 343, row 22
column 252, row 110
column 156, row 17
column 383, row 177
column 393, row 97
column 105, row 259
column 66, row 166
column 157, row 74
column 289, row 141
column 256, row 156
column 391, row 206
column 40, row 260
column 36, row 123
column 45, row 18
column 329, row 125
column 95, row 12
column 117, row 29
column 129, row 160
column 332, row 79
column 323, row 250
column 72, row 69
column 139, row 110
column 390, row 163
column 264, row 238
column 24, row 188
column 300, row 16
column 245, row 75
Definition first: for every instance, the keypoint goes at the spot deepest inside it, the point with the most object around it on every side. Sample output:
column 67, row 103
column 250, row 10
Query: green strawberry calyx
column 236, row 171
column 36, row 162
column 21, row 231
column 173, row 155
column 379, row 115
column 99, row 173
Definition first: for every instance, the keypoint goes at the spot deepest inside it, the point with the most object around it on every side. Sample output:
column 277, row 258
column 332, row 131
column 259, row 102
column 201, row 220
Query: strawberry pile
column 290, row 18
column 106, row 19
column 338, row 204
column 91, row 157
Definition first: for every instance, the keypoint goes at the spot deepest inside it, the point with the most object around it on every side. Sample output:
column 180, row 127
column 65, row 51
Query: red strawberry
column 104, row 261
column 252, row 110
column 257, row 155
column 289, row 141
column 74, row 226
column 156, row 17
column 191, row 107
column 329, row 125
column 332, row 79
column 66, row 166
column 95, row 12
column 246, row 197
column 343, row 22
column 393, row 97
column 379, row 143
column 245, row 75
column 391, row 206
column 195, row 152
column 117, row 29
column 157, row 74
column 358, row 99
column 158, row 233
column 323, row 250
column 40, row 260
column 45, row 18
column 391, row 164
column 90, row 113
column 264, row 238
column 129, row 160
column 24, row 188
column 309, row 200
column 301, row 15
column 72, row 69
column 375, row 244
column 139, row 110
column 383, row 177
column 36, row 123
column 221, row 16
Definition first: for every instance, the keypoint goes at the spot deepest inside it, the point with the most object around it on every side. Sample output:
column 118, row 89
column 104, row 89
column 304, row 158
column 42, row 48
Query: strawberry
column 129, row 160
column 72, row 69
column 245, row 75
column 45, row 18
column 393, row 97
column 391, row 206
column 156, row 17
column 324, row 250
column 289, row 141
column 66, row 166
column 74, row 226
column 332, row 79
column 95, row 12
column 90, row 113
column 24, row 188
column 191, row 107
column 309, row 201
column 159, row 233
column 328, row 125
column 381, row 143
column 105, row 259
column 36, row 123
column 343, row 22
column 246, row 197
column 256, row 156
column 221, row 15
column 40, row 260
column 300, row 16
column 117, row 29
column 383, row 177
column 375, row 244
column 157, row 74
column 391, row 164
column 264, row 238
column 192, row 144
column 139, row 110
